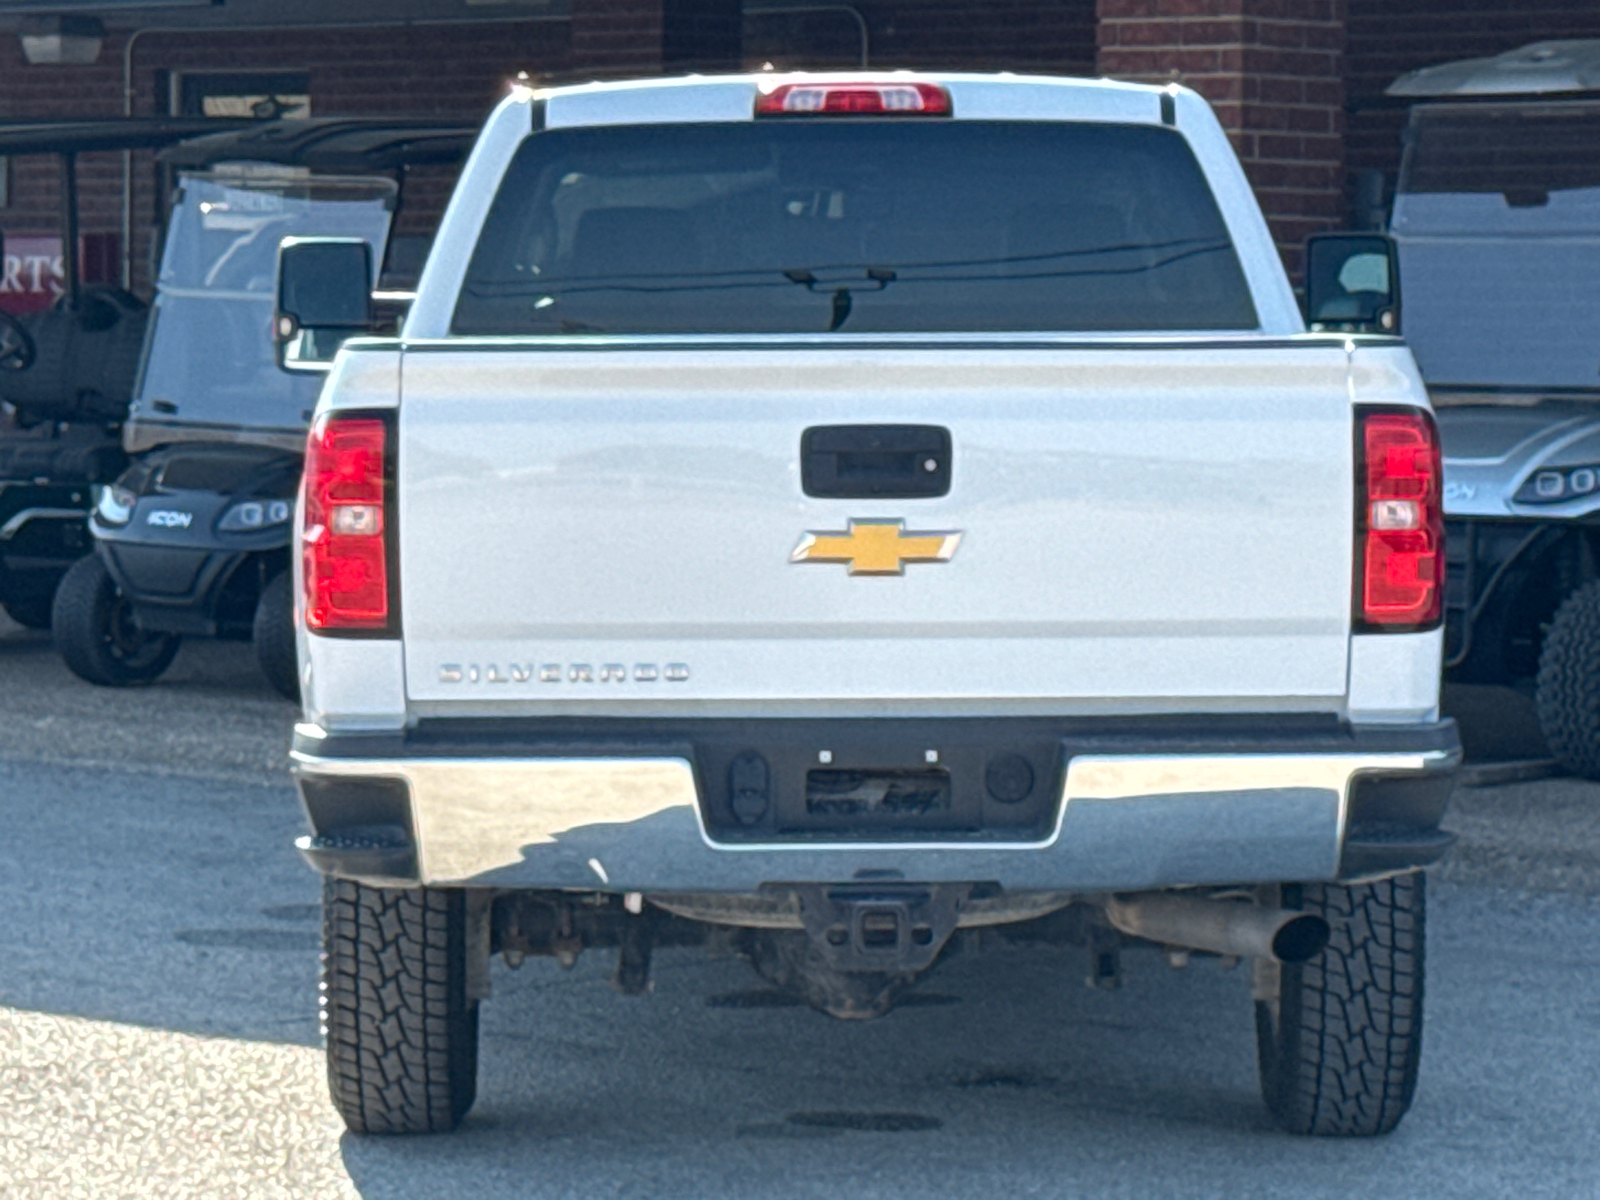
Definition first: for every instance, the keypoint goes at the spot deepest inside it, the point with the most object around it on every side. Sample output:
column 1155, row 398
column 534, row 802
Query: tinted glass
column 1347, row 281
column 1523, row 151
column 1497, row 218
column 859, row 226
column 326, row 283
column 210, row 353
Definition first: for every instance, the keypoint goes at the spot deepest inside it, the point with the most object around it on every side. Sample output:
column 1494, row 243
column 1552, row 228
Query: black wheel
column 274, row 637
column 1339, row 1046
column 95, row 632
column 31, row 612
column 1567, row 697
column 402, row 1037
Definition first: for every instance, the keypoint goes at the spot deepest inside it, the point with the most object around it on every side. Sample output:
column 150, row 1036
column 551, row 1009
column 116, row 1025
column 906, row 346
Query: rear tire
column 402, row 1037
column 1567, row 697
column 1339, row 1047
column 95, row 632
column 274, row 637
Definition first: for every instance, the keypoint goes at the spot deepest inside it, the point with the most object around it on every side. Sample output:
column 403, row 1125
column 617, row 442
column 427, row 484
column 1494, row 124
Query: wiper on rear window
column 842, row 302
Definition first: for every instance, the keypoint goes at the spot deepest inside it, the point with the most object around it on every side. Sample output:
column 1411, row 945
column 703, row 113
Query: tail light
column 346, row 536
column 1399, row 521
column 838, row 98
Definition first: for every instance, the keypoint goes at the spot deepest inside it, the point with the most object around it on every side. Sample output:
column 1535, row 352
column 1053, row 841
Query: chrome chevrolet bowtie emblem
column 877, row 547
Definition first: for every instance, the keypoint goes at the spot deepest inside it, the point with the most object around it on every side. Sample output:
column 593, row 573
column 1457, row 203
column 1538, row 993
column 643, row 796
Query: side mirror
column 324, row 297
column 1352, row 283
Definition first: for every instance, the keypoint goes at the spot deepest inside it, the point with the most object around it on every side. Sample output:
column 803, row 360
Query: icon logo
column 877, row 547
column 172, row 518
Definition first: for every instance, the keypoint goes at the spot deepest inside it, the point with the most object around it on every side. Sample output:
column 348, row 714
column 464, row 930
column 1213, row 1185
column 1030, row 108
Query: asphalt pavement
column 157, row 1029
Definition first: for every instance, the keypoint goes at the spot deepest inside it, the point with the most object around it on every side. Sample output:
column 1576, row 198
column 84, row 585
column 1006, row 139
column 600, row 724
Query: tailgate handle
column 873, row 462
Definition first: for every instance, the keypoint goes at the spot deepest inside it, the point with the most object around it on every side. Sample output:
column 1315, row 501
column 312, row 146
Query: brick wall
column 1274, row 72
column 1277, row 71
column 458, row 71
column 27, row 91
column 615, row 37
column 702, row 35
column 1051, row 36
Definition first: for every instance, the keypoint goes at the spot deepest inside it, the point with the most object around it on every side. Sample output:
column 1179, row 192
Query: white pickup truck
column 852, row 519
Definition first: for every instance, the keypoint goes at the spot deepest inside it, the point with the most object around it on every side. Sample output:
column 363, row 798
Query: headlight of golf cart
column 115, row 506
column 1554, row 484
column 254, row 514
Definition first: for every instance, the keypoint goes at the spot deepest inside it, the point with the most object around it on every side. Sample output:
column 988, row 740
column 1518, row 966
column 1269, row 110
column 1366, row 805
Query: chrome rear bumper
column 634, row 822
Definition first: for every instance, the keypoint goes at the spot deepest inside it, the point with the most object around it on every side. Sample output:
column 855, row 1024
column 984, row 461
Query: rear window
column 1522, row 151
column 856, row 226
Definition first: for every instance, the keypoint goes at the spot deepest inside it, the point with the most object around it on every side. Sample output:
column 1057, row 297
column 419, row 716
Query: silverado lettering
column 557, row 672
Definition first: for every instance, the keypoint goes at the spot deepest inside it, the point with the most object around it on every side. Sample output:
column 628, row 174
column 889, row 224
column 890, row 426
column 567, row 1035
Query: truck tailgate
column 591, row 529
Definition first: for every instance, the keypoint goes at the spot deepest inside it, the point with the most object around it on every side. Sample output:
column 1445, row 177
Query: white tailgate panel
column 1137, row 524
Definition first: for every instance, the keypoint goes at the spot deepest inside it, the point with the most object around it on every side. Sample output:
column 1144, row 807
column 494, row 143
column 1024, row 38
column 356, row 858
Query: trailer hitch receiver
column 895, row 929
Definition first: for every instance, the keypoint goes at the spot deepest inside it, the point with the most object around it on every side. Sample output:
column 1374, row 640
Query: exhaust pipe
column 1227, row 927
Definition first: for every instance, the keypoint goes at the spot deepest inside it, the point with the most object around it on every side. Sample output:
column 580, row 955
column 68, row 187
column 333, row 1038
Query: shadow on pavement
column 157, row 900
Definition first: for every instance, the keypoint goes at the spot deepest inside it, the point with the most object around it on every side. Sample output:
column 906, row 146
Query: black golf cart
column 193, row 537
column 66, row 376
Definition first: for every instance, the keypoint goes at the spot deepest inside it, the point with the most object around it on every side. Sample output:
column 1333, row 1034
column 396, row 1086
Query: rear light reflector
column 344, row 539
column 1399, row 521
column 839, row 98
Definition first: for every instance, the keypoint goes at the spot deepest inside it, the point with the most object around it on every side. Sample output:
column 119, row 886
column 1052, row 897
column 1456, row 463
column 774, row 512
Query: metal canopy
column 331, row 144
column 328, row 143
column 1543, row 68
column 105, row 133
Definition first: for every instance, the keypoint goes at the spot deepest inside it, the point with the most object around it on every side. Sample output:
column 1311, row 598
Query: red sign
column 31, row 277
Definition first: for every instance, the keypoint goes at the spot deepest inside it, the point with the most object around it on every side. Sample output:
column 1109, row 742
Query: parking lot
column 158, row 1032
